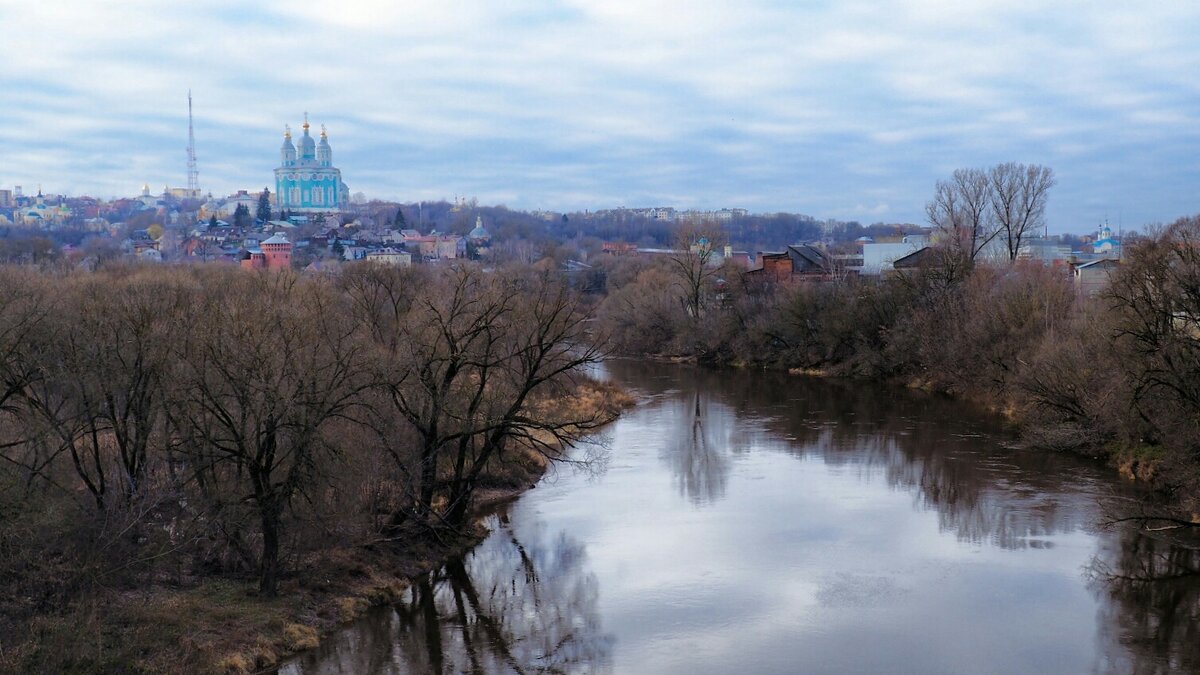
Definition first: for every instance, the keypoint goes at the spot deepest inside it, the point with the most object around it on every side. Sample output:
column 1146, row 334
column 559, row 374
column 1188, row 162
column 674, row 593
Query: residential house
column 390, row 256
column 799, row 262
column 878, row 258
column 1092, row 277
column 353, row 252
column 740, row 258
column 926, row 259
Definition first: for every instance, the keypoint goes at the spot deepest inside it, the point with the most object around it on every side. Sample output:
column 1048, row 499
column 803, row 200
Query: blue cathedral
column 309, row 182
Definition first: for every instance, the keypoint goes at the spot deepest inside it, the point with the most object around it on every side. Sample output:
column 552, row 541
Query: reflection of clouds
column 831, row 511
column 845, row 589
column 952, row 461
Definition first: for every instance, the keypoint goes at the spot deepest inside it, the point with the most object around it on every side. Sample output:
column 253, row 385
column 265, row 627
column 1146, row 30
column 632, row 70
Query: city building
column 1046, row 251
column 799, row 262
column 1107, row 244
column 275, row 252
column 306, row 180
column 479, row 235
column 390, row 256
column 878, row 258
column 39, row 214
column 741, row 258
column 1092, row 277
column 619, row 248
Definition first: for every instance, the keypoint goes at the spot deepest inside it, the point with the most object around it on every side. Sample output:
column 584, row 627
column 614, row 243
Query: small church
column 306, row 180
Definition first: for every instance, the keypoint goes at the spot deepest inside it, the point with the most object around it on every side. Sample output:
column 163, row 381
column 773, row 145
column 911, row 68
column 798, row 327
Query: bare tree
column 1018, row 200
column 25, row 310
column 697, row 251
column 275, row 363
column 437, row 346
column 101, row 370
column 463, row 361
column 1156, row 297
column 961, row 212
column 542, row 346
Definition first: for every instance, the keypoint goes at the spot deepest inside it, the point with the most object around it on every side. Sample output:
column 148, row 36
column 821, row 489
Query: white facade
column 878, row 258
column 390, row 256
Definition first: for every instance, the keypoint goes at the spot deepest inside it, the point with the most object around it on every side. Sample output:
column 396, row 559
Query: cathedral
column 309, row 183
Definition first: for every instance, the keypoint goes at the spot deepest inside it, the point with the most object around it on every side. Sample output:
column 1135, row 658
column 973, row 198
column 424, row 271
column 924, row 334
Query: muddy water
column 749, row 523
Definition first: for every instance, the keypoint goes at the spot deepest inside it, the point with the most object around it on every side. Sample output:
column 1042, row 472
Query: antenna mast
column 193, row 181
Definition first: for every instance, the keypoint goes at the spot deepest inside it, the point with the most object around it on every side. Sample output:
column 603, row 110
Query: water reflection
column 951, row 458
column 762, row 523
column 510, row 606
column 1149, row 586
column 699, row 447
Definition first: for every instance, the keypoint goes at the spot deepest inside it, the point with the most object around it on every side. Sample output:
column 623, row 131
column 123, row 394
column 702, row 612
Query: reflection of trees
column 1149, row 590
column 510, row 606
column 949, row 455
column 953, row 460
column 698, row 454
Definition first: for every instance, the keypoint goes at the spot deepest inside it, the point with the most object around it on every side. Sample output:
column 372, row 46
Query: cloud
column 574, row 104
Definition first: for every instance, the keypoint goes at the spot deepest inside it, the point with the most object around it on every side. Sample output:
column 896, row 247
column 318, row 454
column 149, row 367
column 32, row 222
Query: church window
column 329, row 194
column 316, row 196
column 295, row 196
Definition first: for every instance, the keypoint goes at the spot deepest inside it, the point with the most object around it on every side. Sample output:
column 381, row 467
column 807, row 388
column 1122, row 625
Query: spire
column 307, row 147
column 324, row 152
column 287, row 153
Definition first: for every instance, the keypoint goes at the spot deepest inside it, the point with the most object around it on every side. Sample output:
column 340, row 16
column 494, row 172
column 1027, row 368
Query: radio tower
column 193, row 184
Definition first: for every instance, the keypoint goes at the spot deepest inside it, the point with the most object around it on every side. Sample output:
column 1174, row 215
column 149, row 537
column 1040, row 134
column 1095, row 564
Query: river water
column 754, row 523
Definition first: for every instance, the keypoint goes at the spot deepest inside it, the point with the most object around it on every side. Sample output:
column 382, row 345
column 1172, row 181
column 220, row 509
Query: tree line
column 1116, row 374
column 207, row 420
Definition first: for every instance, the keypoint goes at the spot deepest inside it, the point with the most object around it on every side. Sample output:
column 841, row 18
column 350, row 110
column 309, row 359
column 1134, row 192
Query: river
column 741, row 522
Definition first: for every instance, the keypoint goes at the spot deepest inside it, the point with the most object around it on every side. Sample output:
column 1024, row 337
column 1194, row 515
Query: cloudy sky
column 839, row 109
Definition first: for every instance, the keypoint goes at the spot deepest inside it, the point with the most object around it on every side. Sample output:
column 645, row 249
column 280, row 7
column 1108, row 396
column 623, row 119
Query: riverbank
column 1142, row 462
column 864, row 504
column 1110, row 376
column 220, row 624
column 1134, row 461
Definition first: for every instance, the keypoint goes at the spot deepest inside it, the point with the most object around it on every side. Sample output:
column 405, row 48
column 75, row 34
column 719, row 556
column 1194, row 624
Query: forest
column 232, row 442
